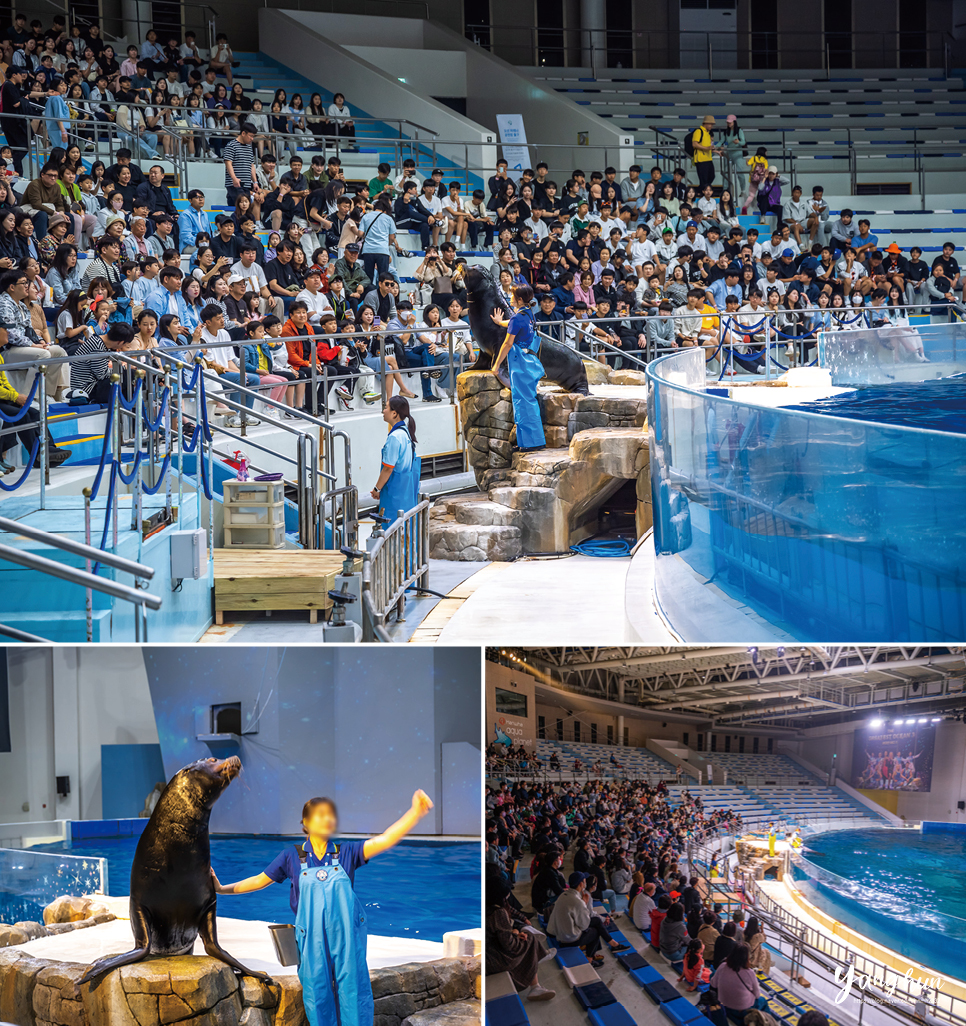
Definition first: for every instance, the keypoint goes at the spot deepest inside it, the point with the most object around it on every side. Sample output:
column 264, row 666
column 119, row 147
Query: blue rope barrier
column 155, row 425
column 130, row 404
column 111, row 497
column 95, row 488
column 165, row 466
column 15, row 418
column 27, row 469
column 139, row 458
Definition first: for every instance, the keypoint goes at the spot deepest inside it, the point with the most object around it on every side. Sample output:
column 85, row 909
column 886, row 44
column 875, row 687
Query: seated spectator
column 509, row 947
column 737, row 985
column 674, row 934
column 574, row 925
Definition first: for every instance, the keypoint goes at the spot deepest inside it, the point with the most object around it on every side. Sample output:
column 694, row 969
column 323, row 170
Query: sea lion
column 172, row 892
column 561, row 363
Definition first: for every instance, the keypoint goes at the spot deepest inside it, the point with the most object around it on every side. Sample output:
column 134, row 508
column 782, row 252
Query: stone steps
column 535, row 502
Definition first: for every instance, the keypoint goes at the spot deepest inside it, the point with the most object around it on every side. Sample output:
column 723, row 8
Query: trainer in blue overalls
column 520, row 350
column 330, row 921
column 398, row 485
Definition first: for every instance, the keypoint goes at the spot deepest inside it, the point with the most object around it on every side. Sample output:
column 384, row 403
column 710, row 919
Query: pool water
column 414, row 890
column 903, row 888
column 935, row 405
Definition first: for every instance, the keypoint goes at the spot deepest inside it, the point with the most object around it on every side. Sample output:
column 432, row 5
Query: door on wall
column 838, row 33
column 709, row 35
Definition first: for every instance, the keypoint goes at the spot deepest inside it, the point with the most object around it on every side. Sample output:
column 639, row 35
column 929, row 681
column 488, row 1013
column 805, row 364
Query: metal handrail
column 57, row 541
column 398, row 559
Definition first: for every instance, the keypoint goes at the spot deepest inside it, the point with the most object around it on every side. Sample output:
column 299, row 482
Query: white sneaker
column 552, row 953
column 539, row 993
column 343, row 393
column 345, row 405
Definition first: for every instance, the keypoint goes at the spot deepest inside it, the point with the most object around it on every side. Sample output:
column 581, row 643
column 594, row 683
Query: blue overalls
column 401, row 491
column 525, row 370
column 330, row 928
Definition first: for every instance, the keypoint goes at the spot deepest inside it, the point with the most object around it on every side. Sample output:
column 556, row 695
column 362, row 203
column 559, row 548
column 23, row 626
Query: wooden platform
column 262, row 579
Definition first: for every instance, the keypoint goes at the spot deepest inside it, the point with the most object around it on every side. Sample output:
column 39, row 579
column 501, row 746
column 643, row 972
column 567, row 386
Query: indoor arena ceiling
column 792, row 686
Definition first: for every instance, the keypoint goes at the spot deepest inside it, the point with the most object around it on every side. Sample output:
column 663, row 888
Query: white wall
column 27, row 770
column 430, row 72
column 65, row 703
column 300, row 40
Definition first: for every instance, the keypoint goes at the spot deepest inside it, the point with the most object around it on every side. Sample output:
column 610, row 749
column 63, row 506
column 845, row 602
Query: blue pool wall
column 932, row 827
column 827, row 529
column 364, row 726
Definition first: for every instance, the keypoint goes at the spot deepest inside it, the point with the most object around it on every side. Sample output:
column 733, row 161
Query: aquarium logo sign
column 888, row 982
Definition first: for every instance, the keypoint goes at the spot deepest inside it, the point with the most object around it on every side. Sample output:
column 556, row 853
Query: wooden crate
column 261, row 579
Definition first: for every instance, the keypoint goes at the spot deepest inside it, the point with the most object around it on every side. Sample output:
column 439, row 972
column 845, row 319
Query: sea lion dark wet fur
column 561, row 363
column 172, row 893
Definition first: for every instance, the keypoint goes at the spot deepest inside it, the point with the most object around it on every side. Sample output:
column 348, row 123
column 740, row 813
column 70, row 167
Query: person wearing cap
column 349, row 268
column 692, row 238
column 57, row 228
column 735, row 148
column 574, row 925
column 313, row 296
column 702, row 140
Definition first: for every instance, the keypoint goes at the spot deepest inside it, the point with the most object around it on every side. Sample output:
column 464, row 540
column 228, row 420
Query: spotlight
column 936, row 719
column 898, row 723
column 923, row 719
column 753, row 652
column 781, row 651
column 875, row 723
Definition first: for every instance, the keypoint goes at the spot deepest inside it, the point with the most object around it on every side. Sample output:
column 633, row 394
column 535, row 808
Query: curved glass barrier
column 32, row 879
column 878, row 356
column 775, row 523
column 908, row 929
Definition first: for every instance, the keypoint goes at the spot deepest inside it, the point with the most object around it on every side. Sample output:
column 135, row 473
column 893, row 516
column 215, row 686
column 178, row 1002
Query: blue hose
column 613, row 547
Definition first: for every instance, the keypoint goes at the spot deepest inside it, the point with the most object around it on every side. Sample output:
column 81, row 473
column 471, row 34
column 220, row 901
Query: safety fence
column 161, row 408
column 899, row 998
column 749, row 342
column 397, row 560
column 192, row 137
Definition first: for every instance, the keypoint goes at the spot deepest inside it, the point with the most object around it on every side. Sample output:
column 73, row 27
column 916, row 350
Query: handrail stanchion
column 42, row 448
column 137, row 462
column 116, row 454
column 88, row 594
column 168, row 441
column 452, row 375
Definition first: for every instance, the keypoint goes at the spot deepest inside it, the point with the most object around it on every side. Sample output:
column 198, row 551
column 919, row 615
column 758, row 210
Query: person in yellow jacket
column 702, row 139
column 28, row 427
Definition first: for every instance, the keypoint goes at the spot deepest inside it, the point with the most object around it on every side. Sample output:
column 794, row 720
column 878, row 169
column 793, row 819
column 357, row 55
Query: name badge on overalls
column 322, row 874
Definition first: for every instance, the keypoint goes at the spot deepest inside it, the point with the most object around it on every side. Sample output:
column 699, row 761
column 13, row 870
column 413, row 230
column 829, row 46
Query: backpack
column 689, row 143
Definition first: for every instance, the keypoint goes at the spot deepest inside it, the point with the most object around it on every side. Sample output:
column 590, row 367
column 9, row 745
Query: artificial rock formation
column 202, row 991
column 61, row 916
column 68, row 909
column 541, row 501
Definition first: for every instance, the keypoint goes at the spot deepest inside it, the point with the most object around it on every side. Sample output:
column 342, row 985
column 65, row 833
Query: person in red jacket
column 657, row 917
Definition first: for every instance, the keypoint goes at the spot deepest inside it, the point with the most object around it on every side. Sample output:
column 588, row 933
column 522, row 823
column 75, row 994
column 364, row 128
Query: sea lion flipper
column 142, row 942
column 208, row 932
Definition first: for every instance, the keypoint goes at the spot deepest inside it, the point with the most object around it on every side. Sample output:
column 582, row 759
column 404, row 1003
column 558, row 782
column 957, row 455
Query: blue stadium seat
column 680, row 1011
column 611, row 1015
column 594, row 995
column 570, row 956
column 506, row 1011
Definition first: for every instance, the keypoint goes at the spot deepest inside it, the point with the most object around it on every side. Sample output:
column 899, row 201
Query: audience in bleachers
column 621, row 263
